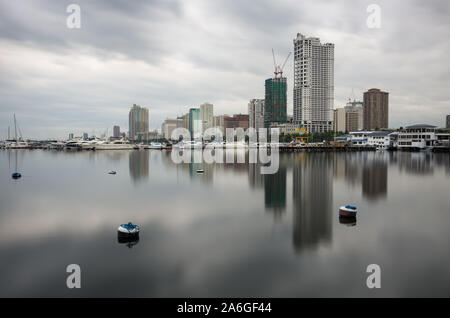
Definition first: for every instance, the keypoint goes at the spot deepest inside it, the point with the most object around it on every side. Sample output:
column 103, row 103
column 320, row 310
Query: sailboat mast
column 15, row 128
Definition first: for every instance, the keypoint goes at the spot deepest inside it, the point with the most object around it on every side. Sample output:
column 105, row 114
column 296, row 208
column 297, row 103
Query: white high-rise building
column 256, row 113
column 313, row 84
column 207, row 116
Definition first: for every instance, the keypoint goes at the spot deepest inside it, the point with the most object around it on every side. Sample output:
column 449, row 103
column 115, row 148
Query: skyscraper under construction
column 275, row 103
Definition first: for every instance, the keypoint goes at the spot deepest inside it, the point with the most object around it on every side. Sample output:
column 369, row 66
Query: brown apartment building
column 237, row 121
column 376, row 109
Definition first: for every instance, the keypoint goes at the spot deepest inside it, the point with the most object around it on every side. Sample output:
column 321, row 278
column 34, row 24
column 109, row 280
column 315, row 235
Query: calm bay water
column 229, row 232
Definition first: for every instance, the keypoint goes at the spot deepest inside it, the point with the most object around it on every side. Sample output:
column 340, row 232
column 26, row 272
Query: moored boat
column 347, row 211
column 16, row 175
column 155, row 145
column 128, row 229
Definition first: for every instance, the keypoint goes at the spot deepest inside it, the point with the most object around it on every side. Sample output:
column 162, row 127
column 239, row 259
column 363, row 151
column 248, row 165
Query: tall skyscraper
column 138, row 122
column 376, row 109
column 313, row 83
column 116, row 131
column 256, row 113
column 448, row 122
column 275, row 102
column 195, row 123
column 207, row 116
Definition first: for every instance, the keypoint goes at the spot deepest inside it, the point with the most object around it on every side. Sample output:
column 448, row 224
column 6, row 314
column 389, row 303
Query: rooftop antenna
column 278, row 70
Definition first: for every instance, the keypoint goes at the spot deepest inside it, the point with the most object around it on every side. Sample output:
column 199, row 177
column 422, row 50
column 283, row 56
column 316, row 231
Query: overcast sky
column 172, row 55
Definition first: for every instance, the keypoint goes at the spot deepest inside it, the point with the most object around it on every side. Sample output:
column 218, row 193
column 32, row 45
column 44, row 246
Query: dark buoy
column 200, row 171
column 16, row 175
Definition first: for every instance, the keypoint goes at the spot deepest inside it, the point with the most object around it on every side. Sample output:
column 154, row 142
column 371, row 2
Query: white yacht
column 73, row 144
column 18, row 144
column 120, row 144
column 56, row 145
column 155, row 145
column 236, row 144
column 90, row 144
column 189, row 144
column 215, row 144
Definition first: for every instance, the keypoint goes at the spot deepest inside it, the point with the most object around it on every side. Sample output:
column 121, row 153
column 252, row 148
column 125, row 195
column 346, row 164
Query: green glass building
column 275, row 103
column 195, row 123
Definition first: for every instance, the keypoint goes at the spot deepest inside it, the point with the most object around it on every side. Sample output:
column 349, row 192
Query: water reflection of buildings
column 416, row 162
column 255, row 178
column 139, row 165
column 374, row 179
column 275, row 191
column 313, row 196
column 366, row 169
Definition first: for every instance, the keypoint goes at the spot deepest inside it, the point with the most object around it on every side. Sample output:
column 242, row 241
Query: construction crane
column 278, row 68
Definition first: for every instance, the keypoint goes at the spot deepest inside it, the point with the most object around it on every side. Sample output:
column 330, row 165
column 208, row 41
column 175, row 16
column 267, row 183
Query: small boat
column 347, row 211
column 128, row 229
column 16, row 175
column 200, row 171
column 112, row 172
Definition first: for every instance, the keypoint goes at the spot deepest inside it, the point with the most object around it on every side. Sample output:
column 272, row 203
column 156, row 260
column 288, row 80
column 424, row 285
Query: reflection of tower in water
column 275, row 191
column 255, row 178
column 374, row 179
column 139, row 165
column 313, row 197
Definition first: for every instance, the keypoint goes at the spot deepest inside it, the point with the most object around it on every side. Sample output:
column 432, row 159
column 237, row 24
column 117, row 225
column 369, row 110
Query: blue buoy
column 16, row 175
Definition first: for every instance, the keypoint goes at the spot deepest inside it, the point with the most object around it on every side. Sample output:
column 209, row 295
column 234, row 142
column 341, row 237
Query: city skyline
column 59, row 80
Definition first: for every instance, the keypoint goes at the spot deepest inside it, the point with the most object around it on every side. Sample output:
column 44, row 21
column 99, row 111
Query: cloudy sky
column 172, row 55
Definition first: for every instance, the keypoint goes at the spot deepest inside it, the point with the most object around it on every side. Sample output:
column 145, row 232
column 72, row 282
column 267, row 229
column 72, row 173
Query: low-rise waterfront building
column 359, row 138
column 419, row 136
column 380, row 139
column 288, row 128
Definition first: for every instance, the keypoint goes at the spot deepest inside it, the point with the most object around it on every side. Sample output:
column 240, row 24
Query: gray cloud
column 170, row 55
